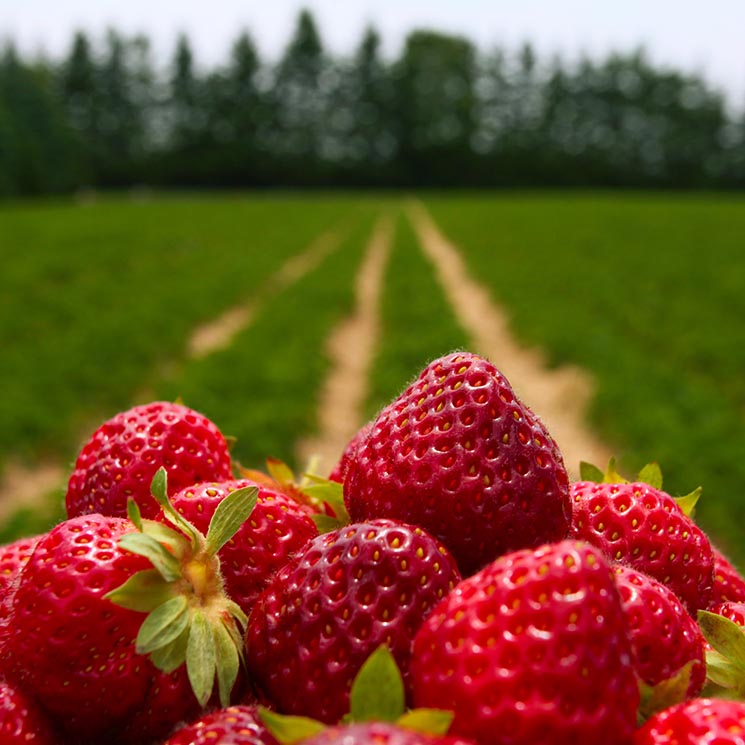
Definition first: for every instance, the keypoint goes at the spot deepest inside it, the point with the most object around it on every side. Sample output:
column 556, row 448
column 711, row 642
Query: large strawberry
column 531, row 649
column 21, row 719
column 644, row 527
column 123, row 454
column 343, row 595
column 664, row 637
column 701, row 721
column 459, row 454
column 79, row 631
column 235, row 725
column 277, row 529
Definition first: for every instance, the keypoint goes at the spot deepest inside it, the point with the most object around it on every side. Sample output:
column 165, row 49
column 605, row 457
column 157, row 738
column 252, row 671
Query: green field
column 645, row 291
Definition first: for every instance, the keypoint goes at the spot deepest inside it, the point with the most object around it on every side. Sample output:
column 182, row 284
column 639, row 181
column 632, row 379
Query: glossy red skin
column 459, row 454
column 72, row 650
column 696, row 722
column 531, row 649
column 236, row 725
column 336, row 602
column 123, row 454
column 21, row 720
column 664, row 636
column 276, row 530
column 340, row 469
column 379, row 733
column 13, row 557
column 644, row 528
column 735, row 612
column 729, row 584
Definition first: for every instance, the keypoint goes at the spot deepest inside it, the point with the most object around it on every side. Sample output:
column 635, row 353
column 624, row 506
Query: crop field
column 228, row 302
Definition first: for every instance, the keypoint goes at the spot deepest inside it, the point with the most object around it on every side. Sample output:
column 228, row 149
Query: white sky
column 704, row 37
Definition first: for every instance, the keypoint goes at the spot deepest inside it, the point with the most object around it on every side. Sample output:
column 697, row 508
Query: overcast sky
column 704, row 37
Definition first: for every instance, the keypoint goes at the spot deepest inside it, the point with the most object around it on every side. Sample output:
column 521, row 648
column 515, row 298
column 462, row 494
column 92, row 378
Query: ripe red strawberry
column 346, row 593
column 340, row 469
column 123, row 454
column 729, row 584
column 531, row 649
column 236, row 725
column 277, row 528
column 735, row 612
column 13, row 558
column 379, row 733
column 459, row 454
column 663, row 635
column 21, row 720
column 72, row 649
column 643, row 527
column 701, row 721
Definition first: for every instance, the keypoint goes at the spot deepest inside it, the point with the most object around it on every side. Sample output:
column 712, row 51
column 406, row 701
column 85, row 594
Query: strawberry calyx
column 650, row 474
column 725, row 661
column 377, row 695
column 664, row 694
column 190, row 618
column 324, row 497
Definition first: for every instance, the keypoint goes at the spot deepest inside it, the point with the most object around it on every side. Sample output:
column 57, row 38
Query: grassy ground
column 646, row 291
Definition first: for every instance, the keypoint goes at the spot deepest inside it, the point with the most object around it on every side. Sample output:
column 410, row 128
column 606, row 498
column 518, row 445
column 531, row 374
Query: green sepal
column 611, row 475
column 721, row 672
column 688, row 502
column 725, row 636
column 651, row 474
column 201, row 659
column 175, row 541
column 329, row 493
column 147, row 546
column 326, row 523
column 230, row 441
column 287, row 729
column 589, row 472
column 236, row 611
column 280, row 471
column 427, row 721
column 134, row 514
column 163, row 625
column 143, row 591
column 377, row 692
column 666, row 693
column 227, row 662
column 173, row 655
column 230, row 514
column 159, row 490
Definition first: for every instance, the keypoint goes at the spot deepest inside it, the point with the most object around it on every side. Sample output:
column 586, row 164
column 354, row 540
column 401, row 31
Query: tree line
column 442, row 114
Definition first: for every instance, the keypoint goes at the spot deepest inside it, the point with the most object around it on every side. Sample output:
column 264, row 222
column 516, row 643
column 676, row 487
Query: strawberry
column 21, row 720
column 729, row 584
column 460, row 455
column 340, row 469
column 123, row 454
column 645, row 528
column 13, row 558
column 379, row 733
column 663, row 635
column 701, row 721
column 735, row 612
column 531, row 649
column 79, row 633
column 343, row 595
column 277, row 529
column 235, row 725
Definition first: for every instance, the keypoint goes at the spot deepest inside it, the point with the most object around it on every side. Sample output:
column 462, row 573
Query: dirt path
column 350, row 348
column 220, row 332
column 559, row 396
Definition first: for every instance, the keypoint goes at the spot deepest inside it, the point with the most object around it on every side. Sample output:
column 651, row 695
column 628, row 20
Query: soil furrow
column 559, row 396
column 350, row 349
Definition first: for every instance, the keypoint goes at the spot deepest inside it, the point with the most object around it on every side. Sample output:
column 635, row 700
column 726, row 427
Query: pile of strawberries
column 447, row 584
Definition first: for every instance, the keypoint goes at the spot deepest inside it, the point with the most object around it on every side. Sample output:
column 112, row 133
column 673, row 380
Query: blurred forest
column 444, row 114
